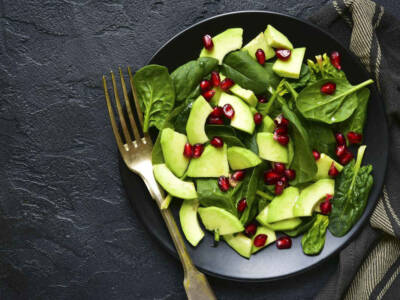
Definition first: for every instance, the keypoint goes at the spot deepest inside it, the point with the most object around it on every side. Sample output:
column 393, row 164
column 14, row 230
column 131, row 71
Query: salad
column 258, row 144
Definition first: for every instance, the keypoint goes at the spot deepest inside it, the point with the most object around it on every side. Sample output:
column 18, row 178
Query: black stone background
column 67, row 230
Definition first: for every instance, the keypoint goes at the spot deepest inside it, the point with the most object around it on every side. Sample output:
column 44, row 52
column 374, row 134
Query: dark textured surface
column 66, row 228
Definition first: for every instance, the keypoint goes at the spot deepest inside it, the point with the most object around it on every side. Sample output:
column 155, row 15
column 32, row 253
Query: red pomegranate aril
column 198, row 150
column 333, row 172
column 208, row 95
column 325, row 207
column 283, row 54
column 208, row 42
column 354, row 137
column 242, row 204
column 250, row 229
column 226, row 84
column 205, row 85
column 281, row 130
column 284, row 180
column 340, row 150
column 260, row 55
column 346, row 158
column 290, row 174
column 335, row 60
column 229, row 112
column 217, row 112
column 279, row 168
column 282, row 139
column 223, row 183
column 328, row 197
column 188, row 150
column 258, row 118
column 316, row 154
column 328, row 88
column 262, row 99
column 340, row 139
column 215, row 79
column 284, row 242
column 217, row 142
column 281, row 121
column 239, row 175
column 271, row 177
column 279, row 187
column 215, row 120
column 260, row 240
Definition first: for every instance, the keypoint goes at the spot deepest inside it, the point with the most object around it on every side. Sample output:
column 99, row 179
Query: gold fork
column 137, row 156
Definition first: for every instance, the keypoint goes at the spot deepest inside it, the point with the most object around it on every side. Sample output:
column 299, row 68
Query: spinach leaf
column 314, row 239
column 181, row 119
column 303, row 227
column 357, row 120
column 321, row 137
column 187, row 77
column 351, row 195
column 322, row 69
column 248, row 73
column 209, row 194
column 227, row 133
column 249, row 140
column 303, row 161
column 304, row 78
column 156, row 94
column 329, row 109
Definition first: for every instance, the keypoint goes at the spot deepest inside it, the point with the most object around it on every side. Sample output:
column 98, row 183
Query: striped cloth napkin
column 369, row 267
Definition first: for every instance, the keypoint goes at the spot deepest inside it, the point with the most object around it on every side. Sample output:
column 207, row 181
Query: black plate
column 270, row 263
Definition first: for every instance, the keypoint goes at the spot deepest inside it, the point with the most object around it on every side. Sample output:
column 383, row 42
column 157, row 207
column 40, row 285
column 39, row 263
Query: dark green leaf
column 303, row 78
column 249, row 140
column 303, row 227
column 227, row 133
column 321, row 137
column 314, row 239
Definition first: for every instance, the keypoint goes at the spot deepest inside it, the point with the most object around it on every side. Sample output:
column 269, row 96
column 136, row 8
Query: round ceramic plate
column 270, row 263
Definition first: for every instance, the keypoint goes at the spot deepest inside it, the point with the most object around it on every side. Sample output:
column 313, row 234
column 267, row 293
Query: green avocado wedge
column 271, row 237
column 267, row 124
column 259, row 42
column 240, row 243
column 271, row 150
column 213, row 162
column 290, row 68
column 323, row 165
column 189, row 222
column 241, row 158
column 197, row 119
column 281, row 207
column 172, row 184
column 172, row 146
column 215, row 218
column 276, row 39
column 287, row 224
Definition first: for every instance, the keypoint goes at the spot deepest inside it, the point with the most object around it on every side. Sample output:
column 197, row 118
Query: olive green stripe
column 388, row 284
column 380, row 219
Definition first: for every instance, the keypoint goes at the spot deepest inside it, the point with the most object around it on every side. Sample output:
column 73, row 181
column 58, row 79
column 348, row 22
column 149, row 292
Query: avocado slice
column 323, row 165
column 271, row 237
column 270, row 149
column 197, row 119
column 213, row 162
column 276, row 39
column 287, row 224
column 172, row 184
column 259, row 42
column 215, row 218
column 225, row 42
column 172, row 146
column 241, row 158
column 243, row 118
column 290, row 68
column 281, row 207
column 240, row 243
column 312, row 195
column 189, row 222
column 246, row 95
column 267, row 124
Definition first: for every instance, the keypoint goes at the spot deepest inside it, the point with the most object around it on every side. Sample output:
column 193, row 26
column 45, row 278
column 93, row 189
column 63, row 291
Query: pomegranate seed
column 290, row 174
column 279, row 187
column 283, row 54
column 260, row 55
column 223, row 183
column 340, row 150
column 226, row 84
column 208, row 95
column 242, row 204
column 239, row 175
column 335, row 60
column 325, row 207
column 215, row 120
column 340, row 140
column 284, row 242
column 333, row 172
column 217, row 142
column 346, row 158
column 251, row 229
column 279, row 168
column 229, row 112
column 188, row 150
column 354, row 137
column 262, row 99
column 217, row 112
column 208, row 42
column 271, row 177
column 281, row 130
column 282, row 139
column 260, row 240
column 281, row 121
column 215, row 79
column 205, row 85
column 284, row 180
column 316, row 154
column 198, row 150
column 258, row 118
column 328, row 197
column 328, row 88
